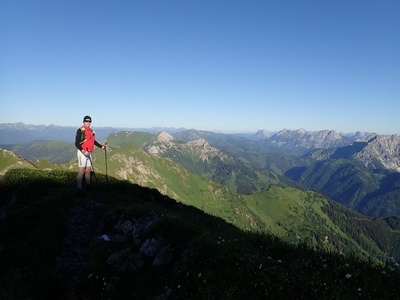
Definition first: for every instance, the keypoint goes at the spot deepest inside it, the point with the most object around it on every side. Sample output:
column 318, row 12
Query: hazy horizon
column 215, row 131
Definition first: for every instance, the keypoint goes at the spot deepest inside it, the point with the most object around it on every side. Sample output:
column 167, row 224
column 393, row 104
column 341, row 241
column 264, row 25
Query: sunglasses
column 88, row 121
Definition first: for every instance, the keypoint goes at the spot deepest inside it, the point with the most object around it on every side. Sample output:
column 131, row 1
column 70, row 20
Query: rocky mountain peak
column 200, row 143
column 164, row 137
column 263, row 134
column 368, row 138
column 374, row 151
column 204, row 150
column 381, row 150
column 302, row 131
column 161, row 143
column 306, row 140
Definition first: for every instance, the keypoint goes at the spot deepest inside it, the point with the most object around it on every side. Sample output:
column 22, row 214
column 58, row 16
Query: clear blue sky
column 230, row 66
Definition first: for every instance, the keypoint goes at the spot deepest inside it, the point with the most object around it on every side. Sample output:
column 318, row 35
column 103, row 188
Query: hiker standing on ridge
column 85, row 141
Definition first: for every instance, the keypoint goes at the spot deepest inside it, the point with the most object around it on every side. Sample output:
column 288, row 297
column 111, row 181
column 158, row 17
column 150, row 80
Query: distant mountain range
column 19, row 133
column 296, row 142
column 373, row 152
column 293, row 141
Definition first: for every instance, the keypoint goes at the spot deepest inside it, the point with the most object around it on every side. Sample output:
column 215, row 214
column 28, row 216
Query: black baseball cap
column 87, row 118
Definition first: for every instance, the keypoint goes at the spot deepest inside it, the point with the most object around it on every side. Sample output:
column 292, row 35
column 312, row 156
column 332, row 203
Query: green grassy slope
column 205, row 160
column 279, row 163
column 131, row 242
column 308, row 216
column 285, row 209
column 53, row 151
column 9, row 160
column 293, row 214
column 375, row 193
column 170, row 178
column 136, row 138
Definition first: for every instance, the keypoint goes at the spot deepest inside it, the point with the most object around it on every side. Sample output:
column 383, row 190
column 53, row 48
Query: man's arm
column 98, row 144
column 78, row 139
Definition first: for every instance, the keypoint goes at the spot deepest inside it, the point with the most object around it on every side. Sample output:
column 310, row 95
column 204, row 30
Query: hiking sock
column 79, row 179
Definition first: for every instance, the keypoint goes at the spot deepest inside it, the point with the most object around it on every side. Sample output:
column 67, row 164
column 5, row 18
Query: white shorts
column 83, row 160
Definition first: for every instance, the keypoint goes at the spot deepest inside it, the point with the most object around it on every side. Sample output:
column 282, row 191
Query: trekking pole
column 93, row 173
column 105, row 156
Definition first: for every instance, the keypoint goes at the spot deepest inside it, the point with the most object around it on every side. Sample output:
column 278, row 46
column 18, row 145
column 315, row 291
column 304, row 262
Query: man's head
column 87, row 120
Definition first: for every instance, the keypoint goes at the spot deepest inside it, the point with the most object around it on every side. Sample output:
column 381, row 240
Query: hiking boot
column 80, row 193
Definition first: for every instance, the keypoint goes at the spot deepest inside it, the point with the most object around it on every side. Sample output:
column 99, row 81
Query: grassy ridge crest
column 185, row 252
